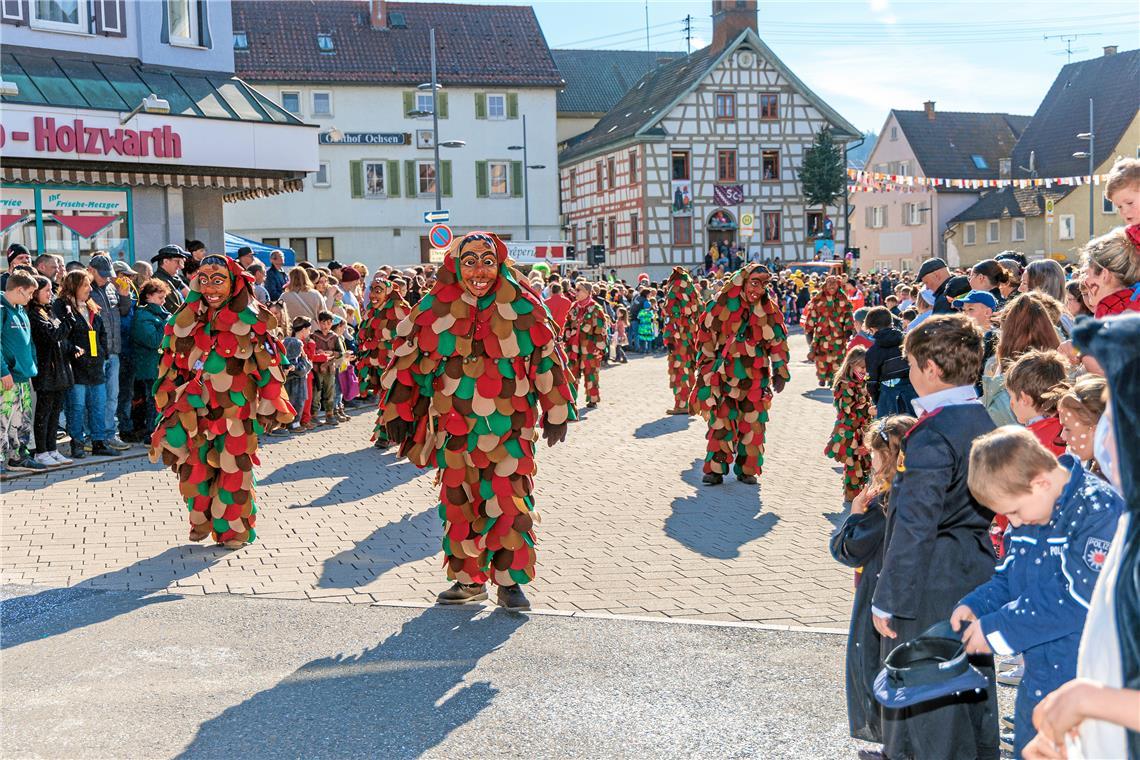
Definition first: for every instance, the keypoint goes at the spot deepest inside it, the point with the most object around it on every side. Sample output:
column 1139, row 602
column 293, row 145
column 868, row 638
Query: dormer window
column 325, row 43
column 979, row 162
column 241, row 41
column 1004, row 167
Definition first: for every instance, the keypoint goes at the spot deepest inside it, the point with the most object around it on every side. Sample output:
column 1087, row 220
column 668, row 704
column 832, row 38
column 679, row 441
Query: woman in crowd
column 1075, row 300
column 54, row 377
column 146, row 341
column 300, row 298
column 990, row 276
column 1112, row 269
column 1047, row 276
column 1028, row 321
column 1013, row 269
column 86, row 343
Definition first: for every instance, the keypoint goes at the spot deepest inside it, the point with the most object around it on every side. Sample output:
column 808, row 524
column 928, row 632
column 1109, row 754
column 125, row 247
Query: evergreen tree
column 823, row 175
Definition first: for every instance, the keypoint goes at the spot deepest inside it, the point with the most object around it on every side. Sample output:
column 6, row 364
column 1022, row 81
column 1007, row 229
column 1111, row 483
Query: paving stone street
column 627, row 527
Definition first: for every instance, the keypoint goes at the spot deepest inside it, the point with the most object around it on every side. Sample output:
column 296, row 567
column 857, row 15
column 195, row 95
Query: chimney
column 1110, row 49
column 730, row 18
column 378, row 14
column 928, row 106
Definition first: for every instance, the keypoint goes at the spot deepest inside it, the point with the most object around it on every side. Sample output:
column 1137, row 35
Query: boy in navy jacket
column 1063, row 520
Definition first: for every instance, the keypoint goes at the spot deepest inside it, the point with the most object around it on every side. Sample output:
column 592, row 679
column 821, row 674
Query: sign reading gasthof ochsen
column 87, row 135
column 366, row 138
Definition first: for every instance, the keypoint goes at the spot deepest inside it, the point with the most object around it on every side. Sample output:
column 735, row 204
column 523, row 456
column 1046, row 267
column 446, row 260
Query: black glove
column 778, row 383
column 398, row 430
column 554, row 433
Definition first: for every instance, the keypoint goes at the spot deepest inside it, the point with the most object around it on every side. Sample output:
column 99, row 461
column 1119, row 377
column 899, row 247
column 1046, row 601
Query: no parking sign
column 440, row 236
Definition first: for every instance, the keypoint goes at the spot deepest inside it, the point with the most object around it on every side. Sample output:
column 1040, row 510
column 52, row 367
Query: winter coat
column 275, row 282
column 50, row 336
column 87, row 369
column 113, row 308
column 175, row 282
column 885, row 361
column 16, row 355
column 146, row 340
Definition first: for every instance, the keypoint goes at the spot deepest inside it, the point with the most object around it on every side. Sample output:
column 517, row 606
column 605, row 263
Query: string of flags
column 861, row 181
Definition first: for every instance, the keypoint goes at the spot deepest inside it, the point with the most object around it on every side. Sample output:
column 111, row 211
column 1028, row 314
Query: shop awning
column 236, row 188
column 260, row 250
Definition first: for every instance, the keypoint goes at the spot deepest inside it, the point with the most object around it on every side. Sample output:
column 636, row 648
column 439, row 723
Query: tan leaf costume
column 585, row 338
column 682, row 321
column 829, row 323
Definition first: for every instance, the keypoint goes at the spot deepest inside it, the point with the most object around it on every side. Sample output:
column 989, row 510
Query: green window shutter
column 409, row 102
column 482, row 188
column 392, row 180
column 480, row 105
column 441, row 103
column 356, row 172
column 445, row 179
column 512, row 105
column 516, row 179
column 412, row 178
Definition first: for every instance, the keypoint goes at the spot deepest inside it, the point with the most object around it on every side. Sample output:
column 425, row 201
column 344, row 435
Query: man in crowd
column 195, row 252
column 245, row 257
column 114, row 304
column 275, row 278
column 50, row 267
column 934, row 274
column 18, row 256
column 257, row 271
column 168, row 268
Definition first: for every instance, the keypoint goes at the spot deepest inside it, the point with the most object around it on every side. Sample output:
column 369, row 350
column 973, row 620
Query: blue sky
column 867, row 56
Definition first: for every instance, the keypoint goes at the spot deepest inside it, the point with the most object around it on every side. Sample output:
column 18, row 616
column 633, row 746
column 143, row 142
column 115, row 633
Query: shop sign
column 13, row 199
column 83, row 200
column 366, row 138
column 78, row 136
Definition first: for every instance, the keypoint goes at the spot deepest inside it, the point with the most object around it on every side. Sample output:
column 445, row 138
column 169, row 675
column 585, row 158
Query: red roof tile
column 478, row 45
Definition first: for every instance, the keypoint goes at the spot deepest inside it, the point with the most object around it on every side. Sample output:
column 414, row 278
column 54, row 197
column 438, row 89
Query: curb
column 88, row 461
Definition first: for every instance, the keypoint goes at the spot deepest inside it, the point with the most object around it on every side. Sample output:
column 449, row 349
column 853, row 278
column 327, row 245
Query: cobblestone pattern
column 627, row 527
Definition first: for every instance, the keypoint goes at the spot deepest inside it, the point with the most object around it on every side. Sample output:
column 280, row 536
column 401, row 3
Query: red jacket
column 1117, row 303
column 559, row 306
column 1048, row 431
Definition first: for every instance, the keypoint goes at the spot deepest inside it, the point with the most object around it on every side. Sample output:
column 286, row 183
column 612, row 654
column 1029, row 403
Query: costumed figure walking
column 829, row 324
column 585, row 339
column 743, row 357
column 475, row 369
column 386, row 308
column 682, row 320
column 220, row 385
column 853, row 413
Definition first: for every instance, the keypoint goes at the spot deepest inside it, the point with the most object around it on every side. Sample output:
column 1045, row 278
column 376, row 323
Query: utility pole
column 435, row 124
column 647, row 48
column 689, row 34
column 1091, row 155
column 526, row 182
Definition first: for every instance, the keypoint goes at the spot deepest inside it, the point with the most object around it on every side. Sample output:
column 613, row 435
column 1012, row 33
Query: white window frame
column 993, row 231
column 313, row 103
column 332, row 43
column 81, row 27
column 244, row 36
column 904, row 169
column 878, row 217
column 327, row 169
column 1017, row 230
column 913, row 215
column 364, row 165
column 499, row 97
column 300, row 101
column 506, row 167
column 194, row 40
column 420, row 166
column 423, row 101
column 1005, row 167
column 894, row 134
column 1107, row 206
column 970, row 234
column 1066, row 227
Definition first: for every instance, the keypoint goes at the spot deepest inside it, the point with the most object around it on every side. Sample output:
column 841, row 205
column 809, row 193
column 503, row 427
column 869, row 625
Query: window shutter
column 109, row 17
column 516, row 179
column 906, row 214
column 480, row 105
column 482, row 188
column 14, row 12
column 392, row 179
column 409, row 102
column 164, row 34
column 445, row 179
column 203, row 23
column 356, row 173
column 867, row 217
column 512, row 105
column 441, row 104
column 411, row 178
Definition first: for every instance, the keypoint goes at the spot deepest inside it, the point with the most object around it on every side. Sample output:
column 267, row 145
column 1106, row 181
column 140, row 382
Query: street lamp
column 526, row 177
column 417, row 113
column 1089, row 154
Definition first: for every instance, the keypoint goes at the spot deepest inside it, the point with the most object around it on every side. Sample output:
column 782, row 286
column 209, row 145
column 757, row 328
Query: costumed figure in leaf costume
column 743, row 357
column 853, row 413
column 585, row 339
column 829, row 323
column 386, row 309
column 682, row 320
column 220, row 385
column 475, row 368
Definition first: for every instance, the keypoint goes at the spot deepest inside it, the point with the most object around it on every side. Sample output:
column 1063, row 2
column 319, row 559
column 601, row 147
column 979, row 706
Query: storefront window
column 71, row 223
column 18, row 217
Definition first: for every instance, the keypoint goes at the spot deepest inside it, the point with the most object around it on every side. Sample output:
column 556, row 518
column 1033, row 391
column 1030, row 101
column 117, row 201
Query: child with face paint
column 829, row 324
column 743, row 356
column 682, row 319
column 475, row 370
column 586, row 340
column 220, row 386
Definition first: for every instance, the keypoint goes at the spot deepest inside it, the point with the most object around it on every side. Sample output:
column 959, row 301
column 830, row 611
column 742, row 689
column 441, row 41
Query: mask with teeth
column 213, row 281
column 478, row 263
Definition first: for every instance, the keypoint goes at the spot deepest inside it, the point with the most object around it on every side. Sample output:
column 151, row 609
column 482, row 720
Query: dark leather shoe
column 513, row 598
column 100, row 449
column 461, row 593
column 712, row 479
column 749, row 480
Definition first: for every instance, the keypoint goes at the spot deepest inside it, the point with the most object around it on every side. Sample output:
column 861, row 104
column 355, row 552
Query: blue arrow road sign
column 437, row 217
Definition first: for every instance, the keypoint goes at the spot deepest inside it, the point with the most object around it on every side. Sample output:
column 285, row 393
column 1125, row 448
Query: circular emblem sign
column 440, row 236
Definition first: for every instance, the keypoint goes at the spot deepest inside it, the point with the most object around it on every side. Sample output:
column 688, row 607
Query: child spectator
column 892, row 305
column 647, row 327
column 297, row 375
column 907, row 317
column 852, row 415
column 347, row 386
column 1063, row 521
column 17, row 368
column 53, row 373
column 621, row 334
column 937, row 545
column 888, row 374
column 858, row 543
column 862, row 337
column 330, row 349
column 146, row 338
column 1080, row 410
column 1035, row 383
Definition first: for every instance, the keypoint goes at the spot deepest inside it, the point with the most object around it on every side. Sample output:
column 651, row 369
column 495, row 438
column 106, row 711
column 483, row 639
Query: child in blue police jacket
column 1063, row 519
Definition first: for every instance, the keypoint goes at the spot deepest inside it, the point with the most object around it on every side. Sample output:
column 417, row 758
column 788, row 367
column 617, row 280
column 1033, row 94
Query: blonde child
column 853, row 412
column 621, row 334
column 1079, row 410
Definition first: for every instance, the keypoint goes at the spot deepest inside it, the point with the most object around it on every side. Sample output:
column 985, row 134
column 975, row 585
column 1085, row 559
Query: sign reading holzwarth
column 30, row 131
column 366, row 138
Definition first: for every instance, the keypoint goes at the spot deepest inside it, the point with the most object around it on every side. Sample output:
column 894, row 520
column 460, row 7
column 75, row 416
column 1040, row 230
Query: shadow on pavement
column 359, row 474
column 57, row 611
column 717, row 521
column 668, row 425
column 398, row 699
column 824, row 395
column 409, row 539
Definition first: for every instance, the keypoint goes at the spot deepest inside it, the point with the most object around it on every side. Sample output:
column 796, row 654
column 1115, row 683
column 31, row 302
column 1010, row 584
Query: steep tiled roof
column 1010, row 202
column 1113, row 82
column 476, row 45
column 597, row 79
column 945, row 145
